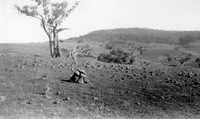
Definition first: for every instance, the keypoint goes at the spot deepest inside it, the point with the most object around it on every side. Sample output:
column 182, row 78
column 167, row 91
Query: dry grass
column 40, row 77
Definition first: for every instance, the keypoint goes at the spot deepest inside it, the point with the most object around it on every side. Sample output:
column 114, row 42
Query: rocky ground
column 35, row 86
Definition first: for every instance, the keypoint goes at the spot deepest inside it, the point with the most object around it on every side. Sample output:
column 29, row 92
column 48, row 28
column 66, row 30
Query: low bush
column 185, row 40
column 197, row 60
column 65, row 53
column 116, row 56
column 187, row 58
column 109, row 46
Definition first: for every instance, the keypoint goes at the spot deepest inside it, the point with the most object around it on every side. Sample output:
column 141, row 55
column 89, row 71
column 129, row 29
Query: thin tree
column 51, row 14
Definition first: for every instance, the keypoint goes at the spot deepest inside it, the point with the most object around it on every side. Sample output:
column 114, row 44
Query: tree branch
column 43, row 26
column 61, row 29
column 37, row 17
column 70, row 10
column 29, row 10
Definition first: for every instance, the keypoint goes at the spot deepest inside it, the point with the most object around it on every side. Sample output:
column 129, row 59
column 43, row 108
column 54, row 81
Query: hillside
column 141, row 35
column 35, row 86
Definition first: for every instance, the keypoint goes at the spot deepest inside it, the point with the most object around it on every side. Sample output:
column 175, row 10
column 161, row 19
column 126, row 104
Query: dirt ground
column 35, row 86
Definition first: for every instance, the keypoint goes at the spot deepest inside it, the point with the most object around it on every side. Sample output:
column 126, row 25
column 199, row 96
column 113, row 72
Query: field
column 157, row 85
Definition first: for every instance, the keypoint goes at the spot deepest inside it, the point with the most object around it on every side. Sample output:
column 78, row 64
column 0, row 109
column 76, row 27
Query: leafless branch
column 61, row 29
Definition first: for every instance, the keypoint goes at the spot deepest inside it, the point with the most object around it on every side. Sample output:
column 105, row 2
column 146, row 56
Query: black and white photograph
column 99, row 59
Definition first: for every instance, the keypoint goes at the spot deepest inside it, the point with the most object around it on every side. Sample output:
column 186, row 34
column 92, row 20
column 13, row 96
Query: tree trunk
column 56, row 52
column 50, row 38
column 53, row 40
column 50, row 47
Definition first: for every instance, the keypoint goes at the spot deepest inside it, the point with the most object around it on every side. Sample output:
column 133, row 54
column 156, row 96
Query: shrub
column 109, row 46
column 116, row 56
column 80, row 41
column 185, row 40
column 187, row 58
column 197, row 60
column 65, row 53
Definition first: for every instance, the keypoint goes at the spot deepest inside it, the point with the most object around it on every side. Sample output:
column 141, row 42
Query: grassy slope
column 114, row 91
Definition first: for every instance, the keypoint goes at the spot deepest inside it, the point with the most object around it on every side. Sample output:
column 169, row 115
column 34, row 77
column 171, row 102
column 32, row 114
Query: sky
column 93, row 15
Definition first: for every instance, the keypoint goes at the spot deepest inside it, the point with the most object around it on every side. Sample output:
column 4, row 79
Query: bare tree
column 51, row 14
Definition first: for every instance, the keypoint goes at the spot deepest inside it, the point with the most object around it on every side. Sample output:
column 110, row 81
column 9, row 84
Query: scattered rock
column 44, row 76
column 3, row 56
column 137, row 103
column 95, row 98
column 53, row 67
column 187, row 74
column 22, row 67
column 37, row 55
column 2, row 98
column 55, row 102
column 28, row 102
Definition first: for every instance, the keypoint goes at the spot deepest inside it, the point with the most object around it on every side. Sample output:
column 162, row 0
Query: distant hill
column 142, row 35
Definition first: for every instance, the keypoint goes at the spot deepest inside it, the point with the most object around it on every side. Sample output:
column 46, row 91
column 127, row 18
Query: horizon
column 102, row 30
column 89, row 16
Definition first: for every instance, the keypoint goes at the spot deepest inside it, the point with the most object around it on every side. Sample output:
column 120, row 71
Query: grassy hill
column 141, row 35
column 161, row 82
